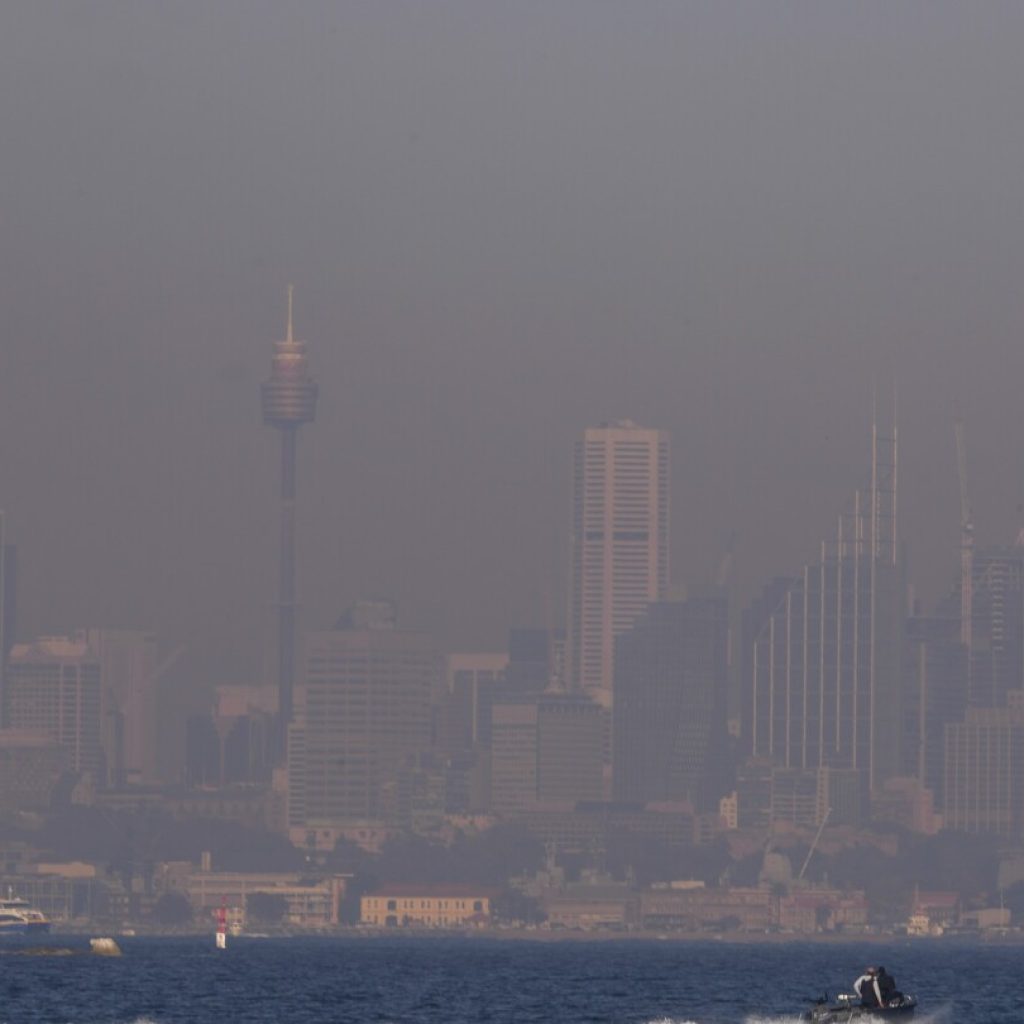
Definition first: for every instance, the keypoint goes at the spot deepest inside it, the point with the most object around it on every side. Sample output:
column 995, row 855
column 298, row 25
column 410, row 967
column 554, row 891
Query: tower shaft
column 286, row 585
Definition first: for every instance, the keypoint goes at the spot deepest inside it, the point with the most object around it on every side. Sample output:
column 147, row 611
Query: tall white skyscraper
column 619, row 544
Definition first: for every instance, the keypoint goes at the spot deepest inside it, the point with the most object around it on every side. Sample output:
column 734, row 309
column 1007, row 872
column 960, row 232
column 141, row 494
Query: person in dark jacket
column 887, row 987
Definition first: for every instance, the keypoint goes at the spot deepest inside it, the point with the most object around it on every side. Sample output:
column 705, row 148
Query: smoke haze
column 504, row 222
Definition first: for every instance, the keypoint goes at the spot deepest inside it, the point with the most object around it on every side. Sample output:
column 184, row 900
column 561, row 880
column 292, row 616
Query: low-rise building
column 725, row 909
column 306, row 905
column 585, row 907
column 823, row 910
column 426, row 906
column 986, row 918
column 938, row 908
column 30, row 765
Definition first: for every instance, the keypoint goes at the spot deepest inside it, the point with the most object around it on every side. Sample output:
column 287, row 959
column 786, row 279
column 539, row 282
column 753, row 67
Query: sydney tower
column 289, row 400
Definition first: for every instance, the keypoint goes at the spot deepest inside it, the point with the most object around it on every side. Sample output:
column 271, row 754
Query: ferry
column 19, row 917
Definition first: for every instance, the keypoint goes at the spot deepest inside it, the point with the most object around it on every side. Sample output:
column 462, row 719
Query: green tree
column 265, row 907
column 1013, row 900
column 359, row 885
column 514, row 907
column 172, row 910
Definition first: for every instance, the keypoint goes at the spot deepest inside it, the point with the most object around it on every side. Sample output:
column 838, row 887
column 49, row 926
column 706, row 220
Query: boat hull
column 24, row 928
column 854, row 1013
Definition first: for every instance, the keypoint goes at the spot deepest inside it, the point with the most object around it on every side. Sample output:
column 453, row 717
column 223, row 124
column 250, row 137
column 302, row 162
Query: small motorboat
column 848, row 1008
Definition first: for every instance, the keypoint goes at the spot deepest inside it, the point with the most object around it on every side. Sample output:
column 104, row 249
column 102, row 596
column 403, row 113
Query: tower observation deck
column 289, row 397
column 288, row 401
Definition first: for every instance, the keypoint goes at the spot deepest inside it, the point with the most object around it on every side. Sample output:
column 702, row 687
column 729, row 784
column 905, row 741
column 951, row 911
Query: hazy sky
column 504, row 222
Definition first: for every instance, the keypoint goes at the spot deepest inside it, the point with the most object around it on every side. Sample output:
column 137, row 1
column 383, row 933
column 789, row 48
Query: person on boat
column 867, row 988
column 887, row 987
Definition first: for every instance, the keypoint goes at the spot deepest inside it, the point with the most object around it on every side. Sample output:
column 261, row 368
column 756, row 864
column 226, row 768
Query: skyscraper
column 669, row 721
column 997, row 625
column 546, row 749
column 934, row 694
column 367, row 711
column 620, row 544
column 8, row 593
column 289, row 400
column 825, row 665
column 984, row 766
column 53, row 689
column 129, row 668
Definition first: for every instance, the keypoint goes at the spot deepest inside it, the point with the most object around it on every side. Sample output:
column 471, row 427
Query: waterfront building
column 426, row 906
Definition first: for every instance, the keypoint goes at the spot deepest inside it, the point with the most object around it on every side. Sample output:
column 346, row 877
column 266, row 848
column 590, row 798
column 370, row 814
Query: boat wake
column 940, row 1015
column 795, row 1019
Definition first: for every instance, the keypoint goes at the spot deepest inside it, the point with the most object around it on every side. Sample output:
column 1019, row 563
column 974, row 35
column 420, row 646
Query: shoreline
column 546, row 935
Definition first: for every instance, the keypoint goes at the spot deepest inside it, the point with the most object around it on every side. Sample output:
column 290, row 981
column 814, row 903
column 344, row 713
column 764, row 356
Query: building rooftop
column 453, row 890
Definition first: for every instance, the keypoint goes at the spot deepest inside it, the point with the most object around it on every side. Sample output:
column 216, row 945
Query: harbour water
column 473, row 980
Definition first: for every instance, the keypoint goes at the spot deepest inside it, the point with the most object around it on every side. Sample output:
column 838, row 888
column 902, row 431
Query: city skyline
column 540, row 471
column 545, row 608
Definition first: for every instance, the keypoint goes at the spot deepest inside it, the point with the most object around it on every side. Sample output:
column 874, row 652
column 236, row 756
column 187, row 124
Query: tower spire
column 290, row 338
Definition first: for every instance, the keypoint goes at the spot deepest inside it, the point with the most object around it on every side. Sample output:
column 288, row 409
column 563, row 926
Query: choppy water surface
column 468, row 981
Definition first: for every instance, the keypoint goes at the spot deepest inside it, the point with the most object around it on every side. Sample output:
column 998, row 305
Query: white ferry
column 19, row 917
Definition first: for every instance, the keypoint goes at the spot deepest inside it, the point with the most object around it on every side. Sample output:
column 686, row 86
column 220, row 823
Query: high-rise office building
column 984, row 769
column 934, row 695
column 997, row 625
column 53, row 688
column 233, row 743
column 546, row 749
column 620, row 544
column 514, row 756
column 570, row 762
column 671, row 698
column 8, row 594
column 533, row 659
column 366, row 711
column 129, row 667
column 825, row 665
column 472, row 681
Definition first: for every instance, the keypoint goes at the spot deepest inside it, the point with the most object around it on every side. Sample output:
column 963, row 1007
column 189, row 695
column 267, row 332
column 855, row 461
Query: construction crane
column 725, row 565
column 814, row 845
column 966, row 538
